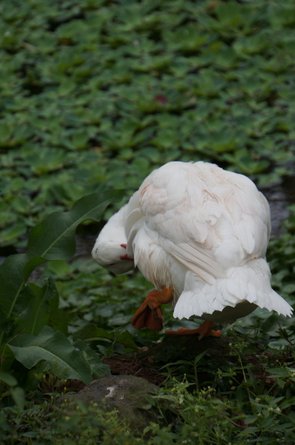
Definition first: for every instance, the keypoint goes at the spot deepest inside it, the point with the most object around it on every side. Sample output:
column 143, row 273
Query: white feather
column 107, row 250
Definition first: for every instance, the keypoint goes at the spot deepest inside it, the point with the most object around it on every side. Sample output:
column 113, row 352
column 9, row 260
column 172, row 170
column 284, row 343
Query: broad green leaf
column 62, row 358
column 14, row 272
column 8, row 378
column 40, row 309
column 18, row 395
column 11, row 233
column 53, row 238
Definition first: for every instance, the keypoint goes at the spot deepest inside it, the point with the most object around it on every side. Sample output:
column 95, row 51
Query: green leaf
column 53, row 238
column 62, row 358
column 18, row 395
column 98, row 368
column 41, row 308
column 11, row 233
column 14, row 272
column 8, row 378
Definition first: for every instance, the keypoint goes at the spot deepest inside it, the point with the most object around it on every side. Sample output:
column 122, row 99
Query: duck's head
column 110, row 248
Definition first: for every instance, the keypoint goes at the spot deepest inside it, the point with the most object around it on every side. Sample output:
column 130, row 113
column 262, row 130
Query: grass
column 98, row 92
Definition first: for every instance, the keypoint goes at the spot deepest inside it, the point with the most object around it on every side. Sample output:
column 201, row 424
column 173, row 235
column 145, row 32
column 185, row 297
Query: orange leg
column 149, row 314
column 204, row 330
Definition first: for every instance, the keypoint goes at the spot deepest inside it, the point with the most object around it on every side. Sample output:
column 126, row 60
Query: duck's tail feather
column 248, row 283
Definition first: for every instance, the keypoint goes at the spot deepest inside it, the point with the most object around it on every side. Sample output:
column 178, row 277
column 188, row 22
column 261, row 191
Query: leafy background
column 100, row 92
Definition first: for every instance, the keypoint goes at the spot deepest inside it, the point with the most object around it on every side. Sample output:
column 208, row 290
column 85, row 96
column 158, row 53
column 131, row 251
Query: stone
column 128, row 394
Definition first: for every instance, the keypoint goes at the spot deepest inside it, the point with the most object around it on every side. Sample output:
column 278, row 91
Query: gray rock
column 129, row 395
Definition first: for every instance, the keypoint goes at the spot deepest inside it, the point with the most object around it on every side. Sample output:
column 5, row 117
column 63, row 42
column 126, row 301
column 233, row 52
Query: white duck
column 199, row 234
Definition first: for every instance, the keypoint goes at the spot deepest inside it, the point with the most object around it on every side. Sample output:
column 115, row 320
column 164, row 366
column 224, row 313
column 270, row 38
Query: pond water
column 279, row 198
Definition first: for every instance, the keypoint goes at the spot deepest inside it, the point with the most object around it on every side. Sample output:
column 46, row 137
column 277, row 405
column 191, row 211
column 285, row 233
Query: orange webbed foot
column 204, row 330
column 149, row 314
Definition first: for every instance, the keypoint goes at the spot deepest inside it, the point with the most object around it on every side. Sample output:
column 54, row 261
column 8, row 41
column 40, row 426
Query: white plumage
column 201, row 231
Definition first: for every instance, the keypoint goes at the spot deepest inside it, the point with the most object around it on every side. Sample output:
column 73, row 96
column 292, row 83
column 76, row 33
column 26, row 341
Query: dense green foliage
column 98, row 91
